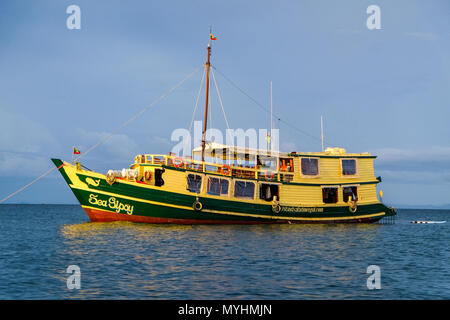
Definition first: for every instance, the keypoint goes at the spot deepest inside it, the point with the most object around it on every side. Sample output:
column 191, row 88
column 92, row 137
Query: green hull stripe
column 128, row 206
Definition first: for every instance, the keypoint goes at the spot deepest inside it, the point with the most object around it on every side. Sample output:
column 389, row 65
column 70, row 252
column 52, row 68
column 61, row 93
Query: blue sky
column 381, row 91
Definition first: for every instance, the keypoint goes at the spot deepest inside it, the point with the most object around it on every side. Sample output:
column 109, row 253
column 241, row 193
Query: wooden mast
column 206, row 102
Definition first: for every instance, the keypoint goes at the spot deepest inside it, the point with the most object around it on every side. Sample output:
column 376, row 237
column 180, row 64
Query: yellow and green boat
column 331, row 186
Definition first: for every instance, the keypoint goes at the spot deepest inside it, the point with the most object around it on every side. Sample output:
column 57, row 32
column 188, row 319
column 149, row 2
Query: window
column 268, row 191
column 217, row 186
column 287, row 164
column 244, row 189
column 350, row 193
column 330, row 194
column 310, row 166
column 348, row 167
column 194, row 183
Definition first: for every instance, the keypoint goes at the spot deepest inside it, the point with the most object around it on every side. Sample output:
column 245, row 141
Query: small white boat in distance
column 427, row 221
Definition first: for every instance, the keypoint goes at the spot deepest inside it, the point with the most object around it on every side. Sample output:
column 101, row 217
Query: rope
column 268, row 111
column 29, row 184
column 196, row 101
column 108, row 136
column 220, row 99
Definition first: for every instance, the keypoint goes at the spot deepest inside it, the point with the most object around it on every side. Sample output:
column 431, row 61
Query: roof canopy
column 217, row 150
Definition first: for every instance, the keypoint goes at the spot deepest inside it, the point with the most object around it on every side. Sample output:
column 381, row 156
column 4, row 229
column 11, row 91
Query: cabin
column 329, row 178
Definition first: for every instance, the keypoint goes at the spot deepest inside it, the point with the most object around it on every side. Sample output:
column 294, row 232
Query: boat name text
column 111, row 203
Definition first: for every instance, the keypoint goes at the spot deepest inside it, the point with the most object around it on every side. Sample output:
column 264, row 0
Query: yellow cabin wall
column 330, row 171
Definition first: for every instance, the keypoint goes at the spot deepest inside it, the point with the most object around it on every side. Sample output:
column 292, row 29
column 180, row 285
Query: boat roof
column 218, row 150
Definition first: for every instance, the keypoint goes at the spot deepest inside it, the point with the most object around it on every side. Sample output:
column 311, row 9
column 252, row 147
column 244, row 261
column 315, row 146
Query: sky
column 384, row 91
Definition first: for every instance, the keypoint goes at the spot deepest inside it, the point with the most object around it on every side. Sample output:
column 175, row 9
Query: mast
column 206, row 102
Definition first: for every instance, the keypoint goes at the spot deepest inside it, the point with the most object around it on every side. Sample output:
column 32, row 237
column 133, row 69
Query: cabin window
column 348, row 167
column 217, row 186
column 194, row 183
column 350, row 193
column 267, row 191
column 244, row 189
column 310, row 166
column 287, row 164
column 330, row 194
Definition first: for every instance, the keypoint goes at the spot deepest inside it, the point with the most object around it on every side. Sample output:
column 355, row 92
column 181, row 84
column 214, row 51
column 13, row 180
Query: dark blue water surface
column 122, row 260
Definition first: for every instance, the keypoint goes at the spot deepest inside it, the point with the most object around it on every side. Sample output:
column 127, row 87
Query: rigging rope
column 220, row 99
column 198, row 96
column 268, row 111
column 108, row 136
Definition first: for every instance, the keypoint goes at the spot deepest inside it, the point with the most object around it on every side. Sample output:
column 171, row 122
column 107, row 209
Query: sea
column 54, row 252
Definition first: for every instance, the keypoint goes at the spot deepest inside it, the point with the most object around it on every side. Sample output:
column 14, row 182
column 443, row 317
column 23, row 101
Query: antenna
column 321, row 129
column 269, row 134
column 271, row 111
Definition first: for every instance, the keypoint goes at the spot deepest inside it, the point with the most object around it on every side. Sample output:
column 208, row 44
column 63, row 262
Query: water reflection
column 138, row 261
column 207, row 261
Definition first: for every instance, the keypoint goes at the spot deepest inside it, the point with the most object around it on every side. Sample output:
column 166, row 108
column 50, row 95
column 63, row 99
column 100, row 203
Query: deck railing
column 239, row 171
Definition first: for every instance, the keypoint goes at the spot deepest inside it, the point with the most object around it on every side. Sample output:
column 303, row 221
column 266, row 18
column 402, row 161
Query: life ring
column 197, row 206
column 352, row 207
column 266, row 175
column 225, row 169
column 147, row 175
column 178, row 162
column 276, row 208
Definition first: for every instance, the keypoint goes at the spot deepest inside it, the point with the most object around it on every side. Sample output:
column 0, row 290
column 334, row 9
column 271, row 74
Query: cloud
column 420, row 165
column 23, row 165
column 119, row 146
column 24, row 145
column 21, row 134
column 423, row 35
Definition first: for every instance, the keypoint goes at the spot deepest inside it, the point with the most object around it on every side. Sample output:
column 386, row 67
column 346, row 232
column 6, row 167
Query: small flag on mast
column 76, row 151
column 212, row 37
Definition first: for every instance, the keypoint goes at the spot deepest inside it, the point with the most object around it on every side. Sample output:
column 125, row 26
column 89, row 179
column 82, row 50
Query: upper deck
column 333, row 166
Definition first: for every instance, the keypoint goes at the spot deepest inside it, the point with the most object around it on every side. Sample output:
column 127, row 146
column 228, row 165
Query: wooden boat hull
column 136, row 202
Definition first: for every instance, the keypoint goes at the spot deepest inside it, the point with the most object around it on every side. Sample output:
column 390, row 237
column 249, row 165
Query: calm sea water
column 123, row 260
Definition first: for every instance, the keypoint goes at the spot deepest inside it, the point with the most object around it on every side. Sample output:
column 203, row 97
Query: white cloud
column 119, row 146
column 21, row 134
column 23, row 165
column 24, row 144
column 430, row 165
column 435, row 153
column 422, row 35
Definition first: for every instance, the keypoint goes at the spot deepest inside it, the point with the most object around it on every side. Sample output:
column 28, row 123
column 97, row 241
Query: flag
column 212, row 37
column 76, row 151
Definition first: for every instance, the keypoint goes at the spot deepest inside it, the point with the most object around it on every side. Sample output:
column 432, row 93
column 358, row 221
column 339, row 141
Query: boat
column 428, row 221
column 271, row 187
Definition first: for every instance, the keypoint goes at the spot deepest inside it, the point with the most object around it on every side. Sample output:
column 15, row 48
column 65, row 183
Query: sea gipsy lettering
column 111, row 203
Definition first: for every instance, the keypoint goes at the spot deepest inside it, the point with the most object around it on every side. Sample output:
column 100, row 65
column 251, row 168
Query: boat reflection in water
column 128, row 260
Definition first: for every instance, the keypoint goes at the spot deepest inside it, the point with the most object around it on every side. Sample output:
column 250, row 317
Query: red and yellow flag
column 212, row 37
column 76, row 151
